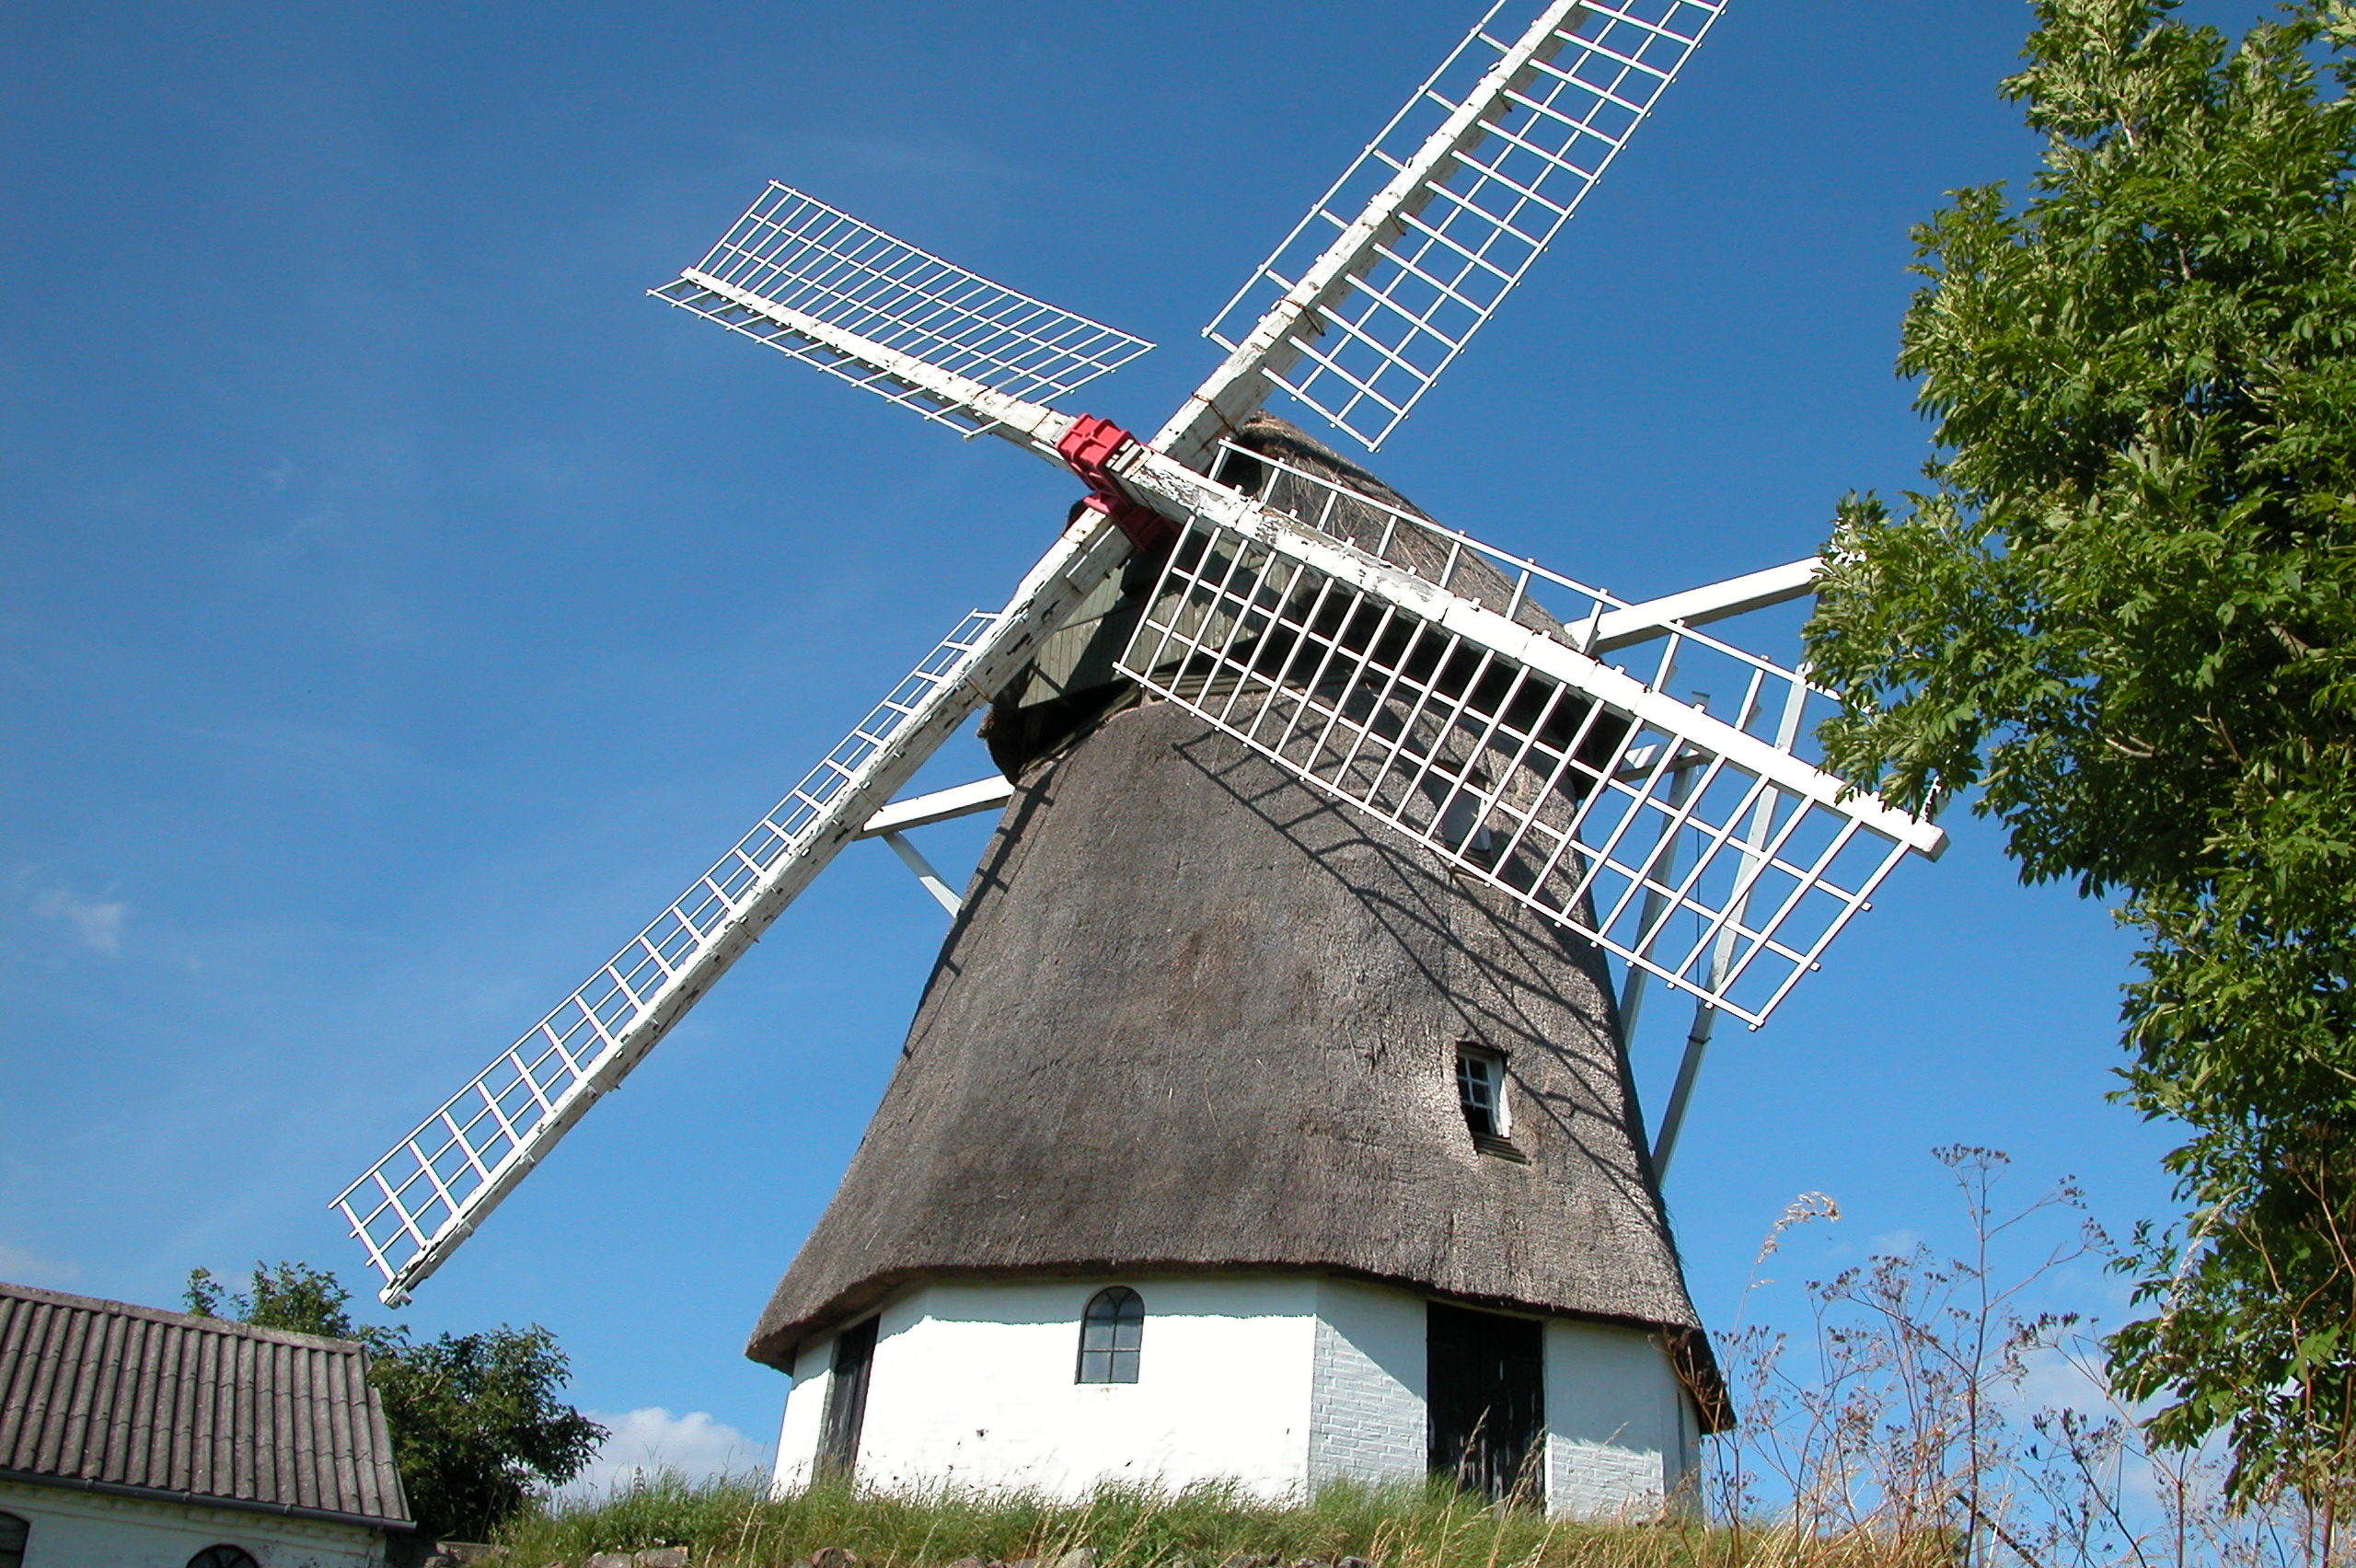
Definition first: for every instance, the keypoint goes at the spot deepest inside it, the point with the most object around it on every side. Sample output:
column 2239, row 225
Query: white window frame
column 1491, row 1066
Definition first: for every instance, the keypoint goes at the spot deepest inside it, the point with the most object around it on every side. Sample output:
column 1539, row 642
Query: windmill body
column 1281, row 1383
column 1267, row 1114
column 1316, row 1102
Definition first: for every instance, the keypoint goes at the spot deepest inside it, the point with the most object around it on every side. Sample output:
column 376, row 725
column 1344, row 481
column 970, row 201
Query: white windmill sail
column 853, row 300
column 1379, row 289
column 812, row 281
column 1715, row 859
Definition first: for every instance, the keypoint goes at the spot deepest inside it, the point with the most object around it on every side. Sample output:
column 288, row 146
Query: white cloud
column 653, row 1439
column 931, row 160
column 21, row 1267
column 97, row 923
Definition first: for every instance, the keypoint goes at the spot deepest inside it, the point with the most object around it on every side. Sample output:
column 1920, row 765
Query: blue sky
column 396, row 607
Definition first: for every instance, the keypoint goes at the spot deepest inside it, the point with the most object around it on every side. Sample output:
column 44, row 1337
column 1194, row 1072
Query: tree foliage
column 293, row 1297
column 477, row 1421
column 2123, row 611
column 478, row 1426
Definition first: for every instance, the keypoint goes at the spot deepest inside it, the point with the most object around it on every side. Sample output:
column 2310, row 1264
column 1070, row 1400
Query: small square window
column 1481, row 1094
column 1481, row 1088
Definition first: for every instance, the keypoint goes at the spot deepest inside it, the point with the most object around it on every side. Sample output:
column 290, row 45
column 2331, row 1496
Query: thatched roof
column 1196, row 1016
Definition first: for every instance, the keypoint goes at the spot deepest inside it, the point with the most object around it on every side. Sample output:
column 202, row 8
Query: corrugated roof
column 110, row 1396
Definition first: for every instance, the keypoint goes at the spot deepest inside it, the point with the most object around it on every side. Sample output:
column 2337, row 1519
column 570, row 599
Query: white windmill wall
column 805, row 1408
column 1365, row 1400
column 972, row 1383
column 1622, row 1433
column 1280, row 1383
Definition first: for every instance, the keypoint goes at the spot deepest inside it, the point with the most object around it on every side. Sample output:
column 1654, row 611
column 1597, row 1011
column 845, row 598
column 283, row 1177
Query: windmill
column 1268, row 1114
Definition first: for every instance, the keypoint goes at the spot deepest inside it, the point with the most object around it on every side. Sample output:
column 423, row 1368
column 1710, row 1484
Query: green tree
column 294, row 1297
column 2123, row 611
column 477, row 1422
column 478, row 1426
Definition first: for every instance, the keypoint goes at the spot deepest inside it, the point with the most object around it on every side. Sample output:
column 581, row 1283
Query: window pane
column 1112, row 1331
column 1476, row 1087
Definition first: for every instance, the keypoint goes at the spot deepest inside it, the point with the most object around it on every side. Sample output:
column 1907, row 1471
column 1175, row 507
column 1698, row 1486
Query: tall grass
column 1907, row 1415
column 736, row 1523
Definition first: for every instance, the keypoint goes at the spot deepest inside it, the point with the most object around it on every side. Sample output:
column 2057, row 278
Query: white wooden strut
column 891, row 824
column 941, row 805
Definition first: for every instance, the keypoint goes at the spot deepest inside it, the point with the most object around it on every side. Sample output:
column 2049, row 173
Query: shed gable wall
column 77, row 1530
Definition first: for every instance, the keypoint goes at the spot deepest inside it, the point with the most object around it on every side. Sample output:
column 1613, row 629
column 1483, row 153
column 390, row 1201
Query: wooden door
column 846, row 1402
column 1486, row 1396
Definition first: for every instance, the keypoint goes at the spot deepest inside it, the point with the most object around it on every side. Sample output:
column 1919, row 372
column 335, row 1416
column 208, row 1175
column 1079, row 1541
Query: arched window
column 224, row 1556
column 13, row 1532
column 1109, row 1332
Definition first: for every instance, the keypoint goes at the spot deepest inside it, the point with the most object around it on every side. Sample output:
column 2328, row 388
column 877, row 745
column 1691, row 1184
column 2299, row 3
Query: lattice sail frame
column 1447, row 701
column 413, row 1205
column 1465, row 187
column 804, row 277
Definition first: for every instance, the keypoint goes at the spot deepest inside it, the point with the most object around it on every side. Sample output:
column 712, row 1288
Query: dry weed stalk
column 1912, row 1424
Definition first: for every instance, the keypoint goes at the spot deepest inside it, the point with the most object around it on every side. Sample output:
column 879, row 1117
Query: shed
column 132, row 1437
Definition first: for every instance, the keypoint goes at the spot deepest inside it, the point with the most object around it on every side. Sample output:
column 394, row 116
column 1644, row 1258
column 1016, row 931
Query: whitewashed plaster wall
column 805, row 1409
column 972, row 1384
column 1366, row 1398
column 1621, row 1435
column 81, row 1530
column 1282, row 1384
